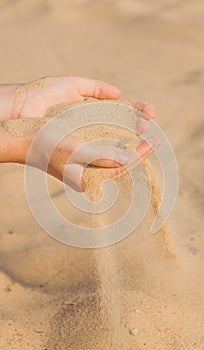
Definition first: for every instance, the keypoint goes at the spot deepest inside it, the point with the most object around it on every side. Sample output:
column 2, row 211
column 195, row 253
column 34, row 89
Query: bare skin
column 33, row 99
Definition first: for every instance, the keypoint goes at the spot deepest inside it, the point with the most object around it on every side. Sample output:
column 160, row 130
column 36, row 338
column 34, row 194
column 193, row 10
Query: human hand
column 69, row 158
column 34, row 98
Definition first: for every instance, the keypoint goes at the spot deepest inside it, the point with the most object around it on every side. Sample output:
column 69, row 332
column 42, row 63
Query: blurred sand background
column 154, row 52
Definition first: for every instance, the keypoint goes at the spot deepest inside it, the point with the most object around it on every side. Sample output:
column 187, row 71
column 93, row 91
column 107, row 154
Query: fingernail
column 154, row 142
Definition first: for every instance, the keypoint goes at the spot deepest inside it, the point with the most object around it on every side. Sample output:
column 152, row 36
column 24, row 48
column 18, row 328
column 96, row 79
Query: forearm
column 7, row 100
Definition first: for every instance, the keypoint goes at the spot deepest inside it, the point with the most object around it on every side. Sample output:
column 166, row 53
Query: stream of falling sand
column 106, row 265
column 110, row 293
column 112, row 314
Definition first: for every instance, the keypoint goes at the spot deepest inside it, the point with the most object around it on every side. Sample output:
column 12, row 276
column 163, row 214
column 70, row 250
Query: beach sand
column 145, row 292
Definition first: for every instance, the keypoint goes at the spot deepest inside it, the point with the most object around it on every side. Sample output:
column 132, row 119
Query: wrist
column 13, row 149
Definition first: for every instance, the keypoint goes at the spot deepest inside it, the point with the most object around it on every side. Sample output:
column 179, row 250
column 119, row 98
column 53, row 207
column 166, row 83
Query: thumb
column 97, row 89
column 73, row 176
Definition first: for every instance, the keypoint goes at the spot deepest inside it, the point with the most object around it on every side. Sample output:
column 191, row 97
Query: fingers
column 97, row 89
column 101, row 90
column 147, row 109
column 99, row 155
column 146, row 112
column 73, row 173
column 145, row 148
column 109, row 156
column 142, row 151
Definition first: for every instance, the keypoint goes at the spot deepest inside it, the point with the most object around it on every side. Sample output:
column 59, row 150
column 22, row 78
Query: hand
column 33, row 99
column 60, row 165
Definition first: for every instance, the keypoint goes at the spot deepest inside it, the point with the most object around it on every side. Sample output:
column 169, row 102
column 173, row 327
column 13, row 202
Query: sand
column 49, row 293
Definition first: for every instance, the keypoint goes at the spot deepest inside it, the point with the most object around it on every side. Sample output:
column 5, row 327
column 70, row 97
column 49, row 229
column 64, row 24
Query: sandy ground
column 49, row 295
